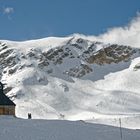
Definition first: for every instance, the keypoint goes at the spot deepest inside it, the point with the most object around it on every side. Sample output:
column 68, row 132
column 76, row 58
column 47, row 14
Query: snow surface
column 45, row 43
column 20, row 129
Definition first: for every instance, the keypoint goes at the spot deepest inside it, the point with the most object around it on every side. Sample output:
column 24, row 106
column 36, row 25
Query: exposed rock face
column 111, row 54
column 83, row 52
column 79, row 71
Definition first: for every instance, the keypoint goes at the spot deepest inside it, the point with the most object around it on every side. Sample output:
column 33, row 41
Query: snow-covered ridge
column 71, row 78
column 50, row 41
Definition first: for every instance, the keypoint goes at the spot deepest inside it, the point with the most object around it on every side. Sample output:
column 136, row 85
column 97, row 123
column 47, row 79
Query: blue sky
column 32, row 19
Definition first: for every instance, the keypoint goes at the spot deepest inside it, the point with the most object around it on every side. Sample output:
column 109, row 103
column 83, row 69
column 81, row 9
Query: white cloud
column 8, row 10
column 127, row 35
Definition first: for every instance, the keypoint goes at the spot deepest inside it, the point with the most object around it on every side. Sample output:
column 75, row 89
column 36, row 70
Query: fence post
column 120, row 128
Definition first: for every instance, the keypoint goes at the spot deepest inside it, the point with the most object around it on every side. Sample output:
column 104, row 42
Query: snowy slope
column 72, row 78
column 19, row 129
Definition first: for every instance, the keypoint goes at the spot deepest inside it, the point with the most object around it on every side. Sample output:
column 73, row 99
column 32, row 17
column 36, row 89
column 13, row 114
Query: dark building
column 7, row 107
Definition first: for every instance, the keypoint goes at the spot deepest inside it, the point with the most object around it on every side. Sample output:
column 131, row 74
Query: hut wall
column 7, row 110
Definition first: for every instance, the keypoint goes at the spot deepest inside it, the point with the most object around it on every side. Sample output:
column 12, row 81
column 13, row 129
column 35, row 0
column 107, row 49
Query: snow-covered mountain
column 72, row 78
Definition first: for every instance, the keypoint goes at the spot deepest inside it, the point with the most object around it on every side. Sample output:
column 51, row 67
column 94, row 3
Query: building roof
column 4, row 100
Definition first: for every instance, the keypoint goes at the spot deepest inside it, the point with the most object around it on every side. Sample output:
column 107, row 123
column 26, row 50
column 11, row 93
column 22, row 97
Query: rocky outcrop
column 79, row 71
column 76, row 50
column 111, row 54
